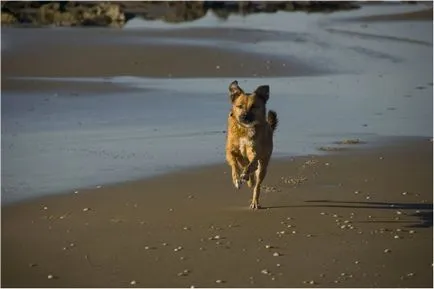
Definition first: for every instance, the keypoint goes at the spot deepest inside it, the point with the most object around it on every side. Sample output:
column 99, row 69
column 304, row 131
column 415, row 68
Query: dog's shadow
column 424, row 214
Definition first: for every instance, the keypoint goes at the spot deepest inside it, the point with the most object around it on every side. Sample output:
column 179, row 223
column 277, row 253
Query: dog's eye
column 239, row 106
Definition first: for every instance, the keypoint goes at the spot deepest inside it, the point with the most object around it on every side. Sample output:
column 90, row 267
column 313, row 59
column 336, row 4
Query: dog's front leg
column 232, row 158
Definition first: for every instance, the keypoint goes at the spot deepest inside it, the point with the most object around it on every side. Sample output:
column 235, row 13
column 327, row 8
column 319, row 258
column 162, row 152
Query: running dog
column 249, row 142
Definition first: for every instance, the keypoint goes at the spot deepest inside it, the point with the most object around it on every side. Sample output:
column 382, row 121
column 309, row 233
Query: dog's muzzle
column 247, row 118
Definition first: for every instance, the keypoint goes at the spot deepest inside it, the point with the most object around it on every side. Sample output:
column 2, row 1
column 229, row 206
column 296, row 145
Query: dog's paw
column 244, row 177
column 254, row 205
column 237, row 184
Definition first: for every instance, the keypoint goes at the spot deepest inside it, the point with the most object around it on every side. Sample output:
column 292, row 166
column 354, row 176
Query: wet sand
column 422, row 15
column 360, row 218
column 135, row 53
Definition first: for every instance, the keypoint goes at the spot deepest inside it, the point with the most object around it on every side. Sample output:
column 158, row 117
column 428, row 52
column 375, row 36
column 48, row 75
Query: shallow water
column 381, row 86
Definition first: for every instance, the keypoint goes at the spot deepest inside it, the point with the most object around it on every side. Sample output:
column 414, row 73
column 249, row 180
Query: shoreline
column 105, row 232
column 341, row 147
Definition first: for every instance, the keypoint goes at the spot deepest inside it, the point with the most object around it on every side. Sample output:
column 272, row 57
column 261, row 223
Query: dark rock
column 116, row 13
column 8, row 18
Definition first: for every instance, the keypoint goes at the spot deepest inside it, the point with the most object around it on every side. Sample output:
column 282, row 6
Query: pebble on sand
column 387, row 250
column 219, row 281
column 86, row 209
column 265, row 272
column 134, row 282
column 276, row 254
column 50, row 276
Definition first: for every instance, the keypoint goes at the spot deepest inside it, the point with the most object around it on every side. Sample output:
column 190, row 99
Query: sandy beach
column 352, row 219
column 113, row 151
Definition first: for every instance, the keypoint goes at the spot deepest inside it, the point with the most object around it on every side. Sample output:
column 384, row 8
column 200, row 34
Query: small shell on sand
column 276, row 254
column 134, row 282
column 265, row 272
column 50, row 276
column 396, row 237
column 184, row 273
column 268, row 246
column 387, row 250
column 219, row 281
column 86, row 209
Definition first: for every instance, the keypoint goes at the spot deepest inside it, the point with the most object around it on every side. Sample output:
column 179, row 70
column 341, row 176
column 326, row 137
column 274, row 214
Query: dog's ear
column 234, row 90
column 263, row 92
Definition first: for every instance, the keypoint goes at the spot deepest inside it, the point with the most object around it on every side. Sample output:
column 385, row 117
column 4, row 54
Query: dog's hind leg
column 260, row 173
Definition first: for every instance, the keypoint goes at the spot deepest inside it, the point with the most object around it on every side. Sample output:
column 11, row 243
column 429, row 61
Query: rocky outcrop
column 116, row 13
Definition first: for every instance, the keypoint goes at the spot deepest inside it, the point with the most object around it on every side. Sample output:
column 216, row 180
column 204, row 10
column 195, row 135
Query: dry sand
column 359, row 219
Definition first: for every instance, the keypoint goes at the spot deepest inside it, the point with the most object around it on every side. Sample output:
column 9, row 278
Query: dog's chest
column 246, row 141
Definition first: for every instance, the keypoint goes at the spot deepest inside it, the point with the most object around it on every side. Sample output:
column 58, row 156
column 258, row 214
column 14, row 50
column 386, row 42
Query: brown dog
column 249, row 142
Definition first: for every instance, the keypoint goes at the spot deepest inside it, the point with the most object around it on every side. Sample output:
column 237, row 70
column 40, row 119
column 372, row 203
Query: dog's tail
column 272, row 119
